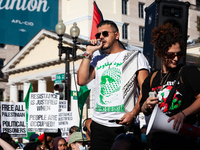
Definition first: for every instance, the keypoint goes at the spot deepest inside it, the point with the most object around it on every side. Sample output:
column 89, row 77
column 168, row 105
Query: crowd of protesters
column 75, row 141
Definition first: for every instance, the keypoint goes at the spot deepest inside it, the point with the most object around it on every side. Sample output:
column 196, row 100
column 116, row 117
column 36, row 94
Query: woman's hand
column 149, row 104
column 178, row 120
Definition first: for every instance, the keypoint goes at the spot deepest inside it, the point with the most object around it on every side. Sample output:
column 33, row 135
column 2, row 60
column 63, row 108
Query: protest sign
column 65, row 121
column 43, row 112
column 13, row 118
column 63, row 105
column 65, row 118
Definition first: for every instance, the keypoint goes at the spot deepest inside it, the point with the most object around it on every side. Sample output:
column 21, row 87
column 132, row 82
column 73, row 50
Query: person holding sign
column 177, row 89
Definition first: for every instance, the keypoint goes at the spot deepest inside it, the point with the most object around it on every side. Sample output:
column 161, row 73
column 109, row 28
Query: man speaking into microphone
column 117, row 73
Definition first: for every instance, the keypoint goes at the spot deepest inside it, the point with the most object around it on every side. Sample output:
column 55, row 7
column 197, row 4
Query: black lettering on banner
column 69, row 114
column 52, row 117
column 37, row 117
column 43, row 108
column 65, row 134
column 63, row 123
column 32, row 102
column 13, row 123
column 44, row 96
column 19, row 108
column 42, row 123
column 12, row 114
column 6, row 107
column 14, row 130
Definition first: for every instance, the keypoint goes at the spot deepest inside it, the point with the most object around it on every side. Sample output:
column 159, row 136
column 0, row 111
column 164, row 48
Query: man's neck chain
column 110, row 63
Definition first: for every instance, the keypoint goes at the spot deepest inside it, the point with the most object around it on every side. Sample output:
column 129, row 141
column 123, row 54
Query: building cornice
column 37, row 76
column 9, row 67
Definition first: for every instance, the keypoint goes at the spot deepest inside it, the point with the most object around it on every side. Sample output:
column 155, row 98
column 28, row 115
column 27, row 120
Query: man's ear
column 117, row 35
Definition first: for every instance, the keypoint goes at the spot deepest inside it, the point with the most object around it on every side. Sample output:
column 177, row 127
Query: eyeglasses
column 104, row 33
column 125, row 136
column 172, row 55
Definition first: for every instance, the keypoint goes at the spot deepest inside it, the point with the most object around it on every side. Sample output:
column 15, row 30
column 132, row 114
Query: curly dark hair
column 164, row 36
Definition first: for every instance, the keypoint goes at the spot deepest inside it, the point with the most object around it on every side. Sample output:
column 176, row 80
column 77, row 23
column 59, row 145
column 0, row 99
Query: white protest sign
column 63, row 105
column 13, row 118
column 65, row 121
column 43, row 112
column 65, row 118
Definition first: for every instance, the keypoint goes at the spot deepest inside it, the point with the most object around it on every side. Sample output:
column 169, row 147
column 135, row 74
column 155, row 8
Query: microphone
column 88, row 43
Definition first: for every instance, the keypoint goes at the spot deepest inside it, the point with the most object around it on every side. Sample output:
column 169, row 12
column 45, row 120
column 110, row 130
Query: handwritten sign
column 13, row 118
column 43, row 112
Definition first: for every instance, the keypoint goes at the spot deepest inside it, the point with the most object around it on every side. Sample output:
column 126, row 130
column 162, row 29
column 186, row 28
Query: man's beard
column 108, row 47
column 105, row 48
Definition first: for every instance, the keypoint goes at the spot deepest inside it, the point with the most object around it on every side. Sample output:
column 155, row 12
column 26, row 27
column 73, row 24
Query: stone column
column 13, row 93
column 26, row 87
column 42, row 85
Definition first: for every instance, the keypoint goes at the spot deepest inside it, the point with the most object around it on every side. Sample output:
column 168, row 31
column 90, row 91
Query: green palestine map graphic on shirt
column 110, row 83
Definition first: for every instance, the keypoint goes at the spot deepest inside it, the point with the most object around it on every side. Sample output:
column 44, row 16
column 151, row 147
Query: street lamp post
column 74, row 32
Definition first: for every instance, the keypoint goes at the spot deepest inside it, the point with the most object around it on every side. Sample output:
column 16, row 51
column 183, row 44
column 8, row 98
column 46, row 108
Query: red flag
column 97, row 17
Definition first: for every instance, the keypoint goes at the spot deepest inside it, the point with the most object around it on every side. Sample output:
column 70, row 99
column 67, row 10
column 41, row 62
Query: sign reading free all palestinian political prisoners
column 43, row 112
column 13, row 118
column 21, row 20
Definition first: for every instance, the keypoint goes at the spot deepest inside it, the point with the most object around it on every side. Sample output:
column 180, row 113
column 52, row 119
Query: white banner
column 13, row 118
column 43, row 112
column 65, row 118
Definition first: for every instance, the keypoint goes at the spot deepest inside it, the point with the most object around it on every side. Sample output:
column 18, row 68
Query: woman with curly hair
column 181, row 105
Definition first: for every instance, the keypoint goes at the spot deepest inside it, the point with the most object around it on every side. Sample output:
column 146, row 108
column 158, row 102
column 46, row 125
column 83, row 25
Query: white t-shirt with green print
column 109, row 103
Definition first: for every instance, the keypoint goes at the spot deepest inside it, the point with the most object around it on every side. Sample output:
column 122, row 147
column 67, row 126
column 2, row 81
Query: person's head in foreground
column 77, row 141
column 126, row 142
column 59, row 143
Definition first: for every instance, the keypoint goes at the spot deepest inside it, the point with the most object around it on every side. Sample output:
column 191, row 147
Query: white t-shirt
column 109, row 103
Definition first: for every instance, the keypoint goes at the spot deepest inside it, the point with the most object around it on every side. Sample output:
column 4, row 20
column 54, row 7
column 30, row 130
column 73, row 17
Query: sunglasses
column 172, row 55
column 125, row 136
column 104, row 33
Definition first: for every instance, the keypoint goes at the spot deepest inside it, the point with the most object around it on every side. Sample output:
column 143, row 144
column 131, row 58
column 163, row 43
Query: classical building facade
column 37, row 63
